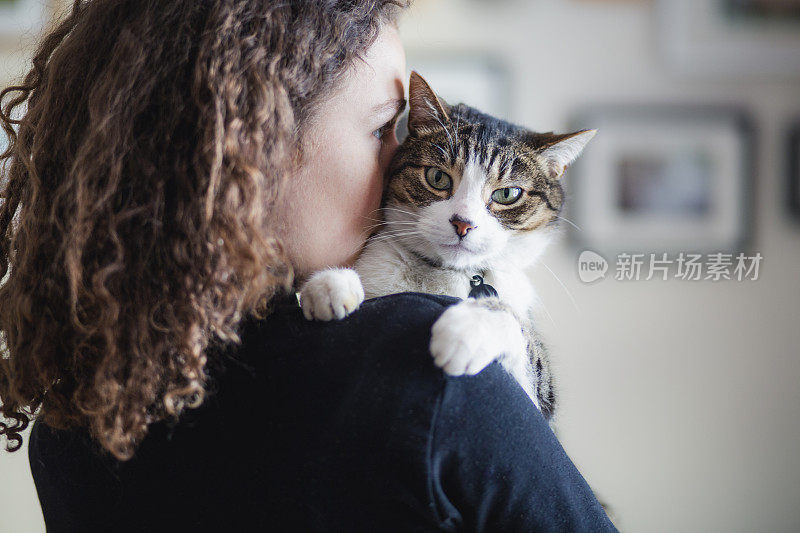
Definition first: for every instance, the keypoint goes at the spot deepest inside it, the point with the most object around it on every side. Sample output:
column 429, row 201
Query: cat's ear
column 560, row 150
column 425, row 109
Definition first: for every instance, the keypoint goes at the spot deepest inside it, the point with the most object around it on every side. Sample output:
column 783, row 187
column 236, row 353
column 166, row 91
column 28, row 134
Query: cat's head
column 467, row 189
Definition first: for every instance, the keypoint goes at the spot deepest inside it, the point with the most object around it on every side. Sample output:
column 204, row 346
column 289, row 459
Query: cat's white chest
column 385, row 269
column 514, row 288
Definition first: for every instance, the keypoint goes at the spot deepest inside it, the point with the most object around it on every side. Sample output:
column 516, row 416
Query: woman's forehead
column 376, row 80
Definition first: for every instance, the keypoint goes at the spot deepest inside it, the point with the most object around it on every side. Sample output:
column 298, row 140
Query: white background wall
column 680, row 401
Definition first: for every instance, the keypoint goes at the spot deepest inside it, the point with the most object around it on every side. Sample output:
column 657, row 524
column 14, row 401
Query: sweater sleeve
column 495, row 465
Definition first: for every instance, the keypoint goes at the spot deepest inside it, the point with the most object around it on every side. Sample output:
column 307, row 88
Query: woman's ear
column 560, row 150
column 426, row 111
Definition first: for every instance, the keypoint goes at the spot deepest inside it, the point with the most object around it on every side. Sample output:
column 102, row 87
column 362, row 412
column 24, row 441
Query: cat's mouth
column 459, row 247
column 461, row 254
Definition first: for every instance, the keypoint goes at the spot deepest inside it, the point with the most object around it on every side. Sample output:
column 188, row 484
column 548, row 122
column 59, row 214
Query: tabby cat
column 468, row 194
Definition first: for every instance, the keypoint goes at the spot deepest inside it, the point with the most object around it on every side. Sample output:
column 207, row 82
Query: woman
column 180, row 165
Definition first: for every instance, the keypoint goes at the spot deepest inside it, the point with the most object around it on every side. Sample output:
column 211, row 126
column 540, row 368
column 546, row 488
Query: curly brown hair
column 136, row 194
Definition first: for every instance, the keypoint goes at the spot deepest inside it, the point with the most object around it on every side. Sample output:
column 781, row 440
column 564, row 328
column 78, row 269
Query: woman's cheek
column 360, row 172
column 369, row 196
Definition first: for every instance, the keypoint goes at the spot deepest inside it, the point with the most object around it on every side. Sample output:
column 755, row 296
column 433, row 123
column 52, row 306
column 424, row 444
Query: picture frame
column 733, row 38
column 663, row 178
column 793, row 167
column 22, row 18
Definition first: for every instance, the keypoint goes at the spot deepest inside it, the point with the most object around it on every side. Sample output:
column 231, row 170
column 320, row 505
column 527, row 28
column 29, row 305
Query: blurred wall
column 680, row 400
column 19, row 505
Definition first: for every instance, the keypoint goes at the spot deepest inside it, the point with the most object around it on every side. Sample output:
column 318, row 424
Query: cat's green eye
column 437, row 179
column 507, row 195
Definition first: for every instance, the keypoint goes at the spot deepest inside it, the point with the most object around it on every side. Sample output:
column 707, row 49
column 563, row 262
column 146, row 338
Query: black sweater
column 340, row 426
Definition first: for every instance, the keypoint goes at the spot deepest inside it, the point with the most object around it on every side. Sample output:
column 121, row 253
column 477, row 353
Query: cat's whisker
column 398, row 231
column 390, row 228
column 399, row 222
column 372, row 219
column 389, row 223
column 393, row 232
column 396, row 227
column 403, row 211
column 366, row 234
column 377, row 212
column 376, row 222
column 442, row 150
column 382, row 237
column 458, row 123
column 394, row 208
column 570, row 222
column 562, row 285
column 371, row 233
column 363, row 239
column 544, row 307
column 400, row 227
column 449, row 137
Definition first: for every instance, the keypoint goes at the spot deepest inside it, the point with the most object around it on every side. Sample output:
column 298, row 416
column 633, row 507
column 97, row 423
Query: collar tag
column 480, row 289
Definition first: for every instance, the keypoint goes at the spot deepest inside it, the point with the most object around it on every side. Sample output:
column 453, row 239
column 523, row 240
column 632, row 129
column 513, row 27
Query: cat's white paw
column 467, row 337
column 329, row 294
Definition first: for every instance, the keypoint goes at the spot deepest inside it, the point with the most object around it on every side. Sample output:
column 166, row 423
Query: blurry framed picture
column 794, row 170
column 731, row 37
column 22, row 18
column 663, row 179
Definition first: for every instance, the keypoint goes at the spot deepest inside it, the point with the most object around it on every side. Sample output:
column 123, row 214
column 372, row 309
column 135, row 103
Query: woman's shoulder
column 380, row 327
column 384, row 343
column 391, row 306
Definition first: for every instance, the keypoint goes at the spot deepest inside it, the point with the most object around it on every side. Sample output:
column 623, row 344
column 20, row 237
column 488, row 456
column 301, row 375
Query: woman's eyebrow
column 395, row 104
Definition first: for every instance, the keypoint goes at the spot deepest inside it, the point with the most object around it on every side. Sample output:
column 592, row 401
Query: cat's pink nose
column 461, row 226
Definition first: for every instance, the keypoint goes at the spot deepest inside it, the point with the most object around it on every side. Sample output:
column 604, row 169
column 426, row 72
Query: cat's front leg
column 331, row 294
column 471, row 334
